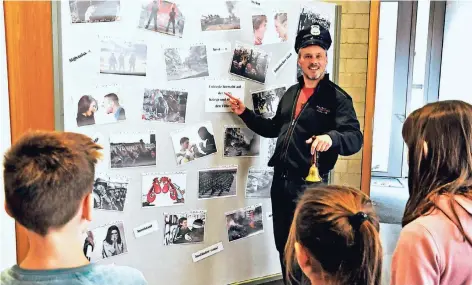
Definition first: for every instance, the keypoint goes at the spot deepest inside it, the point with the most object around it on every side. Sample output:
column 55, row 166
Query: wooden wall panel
column 370, row 95
column 28, row 33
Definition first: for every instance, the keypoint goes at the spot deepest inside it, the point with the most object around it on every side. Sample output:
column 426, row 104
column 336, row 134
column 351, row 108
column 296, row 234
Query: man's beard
column 317, row 75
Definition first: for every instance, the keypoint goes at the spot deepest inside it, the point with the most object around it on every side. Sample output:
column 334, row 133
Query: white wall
column 457, row 59
column 7, row 225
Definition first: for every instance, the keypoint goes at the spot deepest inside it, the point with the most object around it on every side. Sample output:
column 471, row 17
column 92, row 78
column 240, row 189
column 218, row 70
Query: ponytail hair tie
column 356, row 220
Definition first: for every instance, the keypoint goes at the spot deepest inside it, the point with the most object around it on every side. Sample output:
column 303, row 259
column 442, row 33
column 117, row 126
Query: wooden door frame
column 370, row 95
column 28, row 38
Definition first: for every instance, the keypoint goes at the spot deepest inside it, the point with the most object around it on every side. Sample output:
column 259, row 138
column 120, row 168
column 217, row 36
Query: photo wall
column 183, row 191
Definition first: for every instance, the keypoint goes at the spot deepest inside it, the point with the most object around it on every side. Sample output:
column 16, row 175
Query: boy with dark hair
column 49, row 178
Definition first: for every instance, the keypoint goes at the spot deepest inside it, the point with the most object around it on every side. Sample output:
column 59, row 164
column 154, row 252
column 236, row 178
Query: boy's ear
column 87, row 207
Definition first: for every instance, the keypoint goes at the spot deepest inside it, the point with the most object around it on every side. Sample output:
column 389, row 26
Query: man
column 259, row 27
column 112, row 105
column 181, row 233
column 153, row 16
column 208, row 146
column 171, row 21
column 48, row 190
column 112, row 62
column 313, row 112
column 186, row 152
column 121, row 60
column 281, row 26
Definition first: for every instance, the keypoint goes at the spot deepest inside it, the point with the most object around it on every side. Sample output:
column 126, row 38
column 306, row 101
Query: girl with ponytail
column 334, row 238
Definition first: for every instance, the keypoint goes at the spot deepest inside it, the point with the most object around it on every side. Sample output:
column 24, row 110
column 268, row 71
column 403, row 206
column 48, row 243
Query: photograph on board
column 244, row 222
column 259, row 181
column 193, row 142
column 241, row 142
column 183, row 63
column 162, row 16
column 217, row 183
column 163, row 189
column 184, row 228
column 102, row 105
column 160, row 105
column 88, row 11
column 265, row 102
column 269, row 28
column 250, row 63
column 122, row 57
column 105, row 242
column 221, row 16
column 109, row 192
column 133, row 149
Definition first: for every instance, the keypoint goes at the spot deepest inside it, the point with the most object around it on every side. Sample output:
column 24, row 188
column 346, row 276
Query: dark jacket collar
column 302, row 82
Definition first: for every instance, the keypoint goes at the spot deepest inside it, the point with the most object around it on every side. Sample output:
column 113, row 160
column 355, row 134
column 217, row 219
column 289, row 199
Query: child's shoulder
column 114, row 274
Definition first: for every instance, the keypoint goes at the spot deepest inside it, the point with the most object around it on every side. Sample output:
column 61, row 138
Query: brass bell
column 314, row 174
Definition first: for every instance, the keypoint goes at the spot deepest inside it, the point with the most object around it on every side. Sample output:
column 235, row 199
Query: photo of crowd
column 132, row 149
column 250, row 63
column 162, row 16
column 122, row 57
column 109, row 193
column 221, row 16
column 184, row 228
column 241, row 142
column 163, row 189
column 88, row 11
column 245, row 222
column 266, row 101
column 105, row 242
column 215, row 183
column 164, row 105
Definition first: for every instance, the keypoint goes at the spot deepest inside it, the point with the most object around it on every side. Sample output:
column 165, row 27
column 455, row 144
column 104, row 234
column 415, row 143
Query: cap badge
column 315, row 30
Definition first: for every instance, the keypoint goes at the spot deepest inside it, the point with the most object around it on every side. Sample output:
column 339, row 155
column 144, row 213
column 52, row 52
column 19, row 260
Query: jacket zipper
column 293, row 123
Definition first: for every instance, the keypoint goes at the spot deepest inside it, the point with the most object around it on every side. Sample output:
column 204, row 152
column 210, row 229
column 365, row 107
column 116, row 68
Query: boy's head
column 48, row 179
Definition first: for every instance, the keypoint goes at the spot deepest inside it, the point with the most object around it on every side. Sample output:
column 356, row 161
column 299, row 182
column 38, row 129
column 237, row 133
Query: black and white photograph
column 259, row 181
column 102, row 105
column 266, row 101
column 270, row 28
column 160, row 105
column 267, row 149
column 250, row 63
column 244, row 222
column 162, row 16
column 221, row 16
column 217, row 183
column 389, row 196
column 109, row 192
column 88, row 11
column 184, row 228
column 189, row 62
column 122, row 57
column 241, row 142
column 313, row 15
column 163, row 189
column 105, row 242
column 194, row 142
column 133, row 149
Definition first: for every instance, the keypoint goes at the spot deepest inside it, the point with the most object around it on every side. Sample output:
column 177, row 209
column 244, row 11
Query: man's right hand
column 237, row 106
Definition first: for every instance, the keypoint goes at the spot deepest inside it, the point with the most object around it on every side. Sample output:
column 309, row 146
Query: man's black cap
column 315, row 35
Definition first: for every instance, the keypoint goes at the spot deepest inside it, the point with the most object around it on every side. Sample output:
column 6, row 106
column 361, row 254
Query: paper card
column 207, row 252
column 216, row 100
column 282, row 63
column 219, row 47
column 146, row 229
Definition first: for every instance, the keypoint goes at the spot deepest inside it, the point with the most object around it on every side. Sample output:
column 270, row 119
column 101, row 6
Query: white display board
column 164, row 88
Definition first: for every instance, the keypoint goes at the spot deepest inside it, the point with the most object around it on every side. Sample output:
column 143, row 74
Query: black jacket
column 328, row 111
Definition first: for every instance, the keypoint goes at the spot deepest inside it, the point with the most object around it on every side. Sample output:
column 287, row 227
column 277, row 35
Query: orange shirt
column 305, row 94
